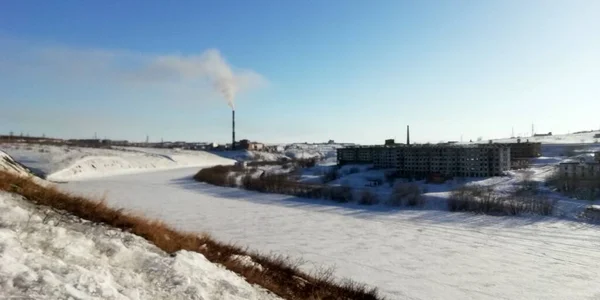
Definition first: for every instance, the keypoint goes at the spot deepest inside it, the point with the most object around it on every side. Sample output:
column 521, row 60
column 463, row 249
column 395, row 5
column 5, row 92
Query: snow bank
column 62, row 163
column 8, row 164
column 321, row 151
column 245, row 155
column 46, row 255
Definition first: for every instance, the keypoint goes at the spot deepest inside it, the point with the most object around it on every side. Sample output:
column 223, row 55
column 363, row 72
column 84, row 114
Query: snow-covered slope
column 47, row 255
column 62, row 163
column 8, row 164
column 321, row 151
column 244, row 155
column 571, row 138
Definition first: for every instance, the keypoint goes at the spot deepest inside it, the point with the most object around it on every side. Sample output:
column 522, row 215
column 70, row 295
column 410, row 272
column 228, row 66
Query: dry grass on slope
column 278, row 274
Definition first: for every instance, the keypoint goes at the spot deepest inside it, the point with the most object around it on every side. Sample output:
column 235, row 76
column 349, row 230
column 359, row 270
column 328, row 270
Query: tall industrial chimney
column 233, row 129
column 407, row 134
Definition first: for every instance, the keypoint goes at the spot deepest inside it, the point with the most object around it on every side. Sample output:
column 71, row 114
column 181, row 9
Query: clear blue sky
column 353, row 71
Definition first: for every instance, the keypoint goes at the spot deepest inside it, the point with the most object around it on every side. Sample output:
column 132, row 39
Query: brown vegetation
column 406, row 194
column 368, row 198
column 278, row 275
column 484, row 200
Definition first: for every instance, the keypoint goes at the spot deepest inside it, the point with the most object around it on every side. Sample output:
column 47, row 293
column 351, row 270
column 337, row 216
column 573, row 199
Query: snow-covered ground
column 62, row 163
column 571, row 138
column 48, row 255
column 244, row 155
column 408, row 254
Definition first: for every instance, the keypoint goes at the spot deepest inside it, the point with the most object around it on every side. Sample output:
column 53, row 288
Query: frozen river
column 406, row 254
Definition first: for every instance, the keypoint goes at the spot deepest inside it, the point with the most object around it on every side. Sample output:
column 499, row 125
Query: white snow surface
column 408, row 254
column 48, row 255
column 8, row 164
column 62, row 163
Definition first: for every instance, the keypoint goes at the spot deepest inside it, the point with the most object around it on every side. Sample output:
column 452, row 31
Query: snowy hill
column 49, row 255
column 62, row 163
column 325, row 152
column 8, row 164
column 572, row 138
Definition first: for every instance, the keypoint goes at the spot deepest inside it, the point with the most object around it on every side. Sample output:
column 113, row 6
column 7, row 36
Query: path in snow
column 407, row 254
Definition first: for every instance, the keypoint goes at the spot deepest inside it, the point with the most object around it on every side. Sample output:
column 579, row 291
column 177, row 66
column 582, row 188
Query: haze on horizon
column 299, row 71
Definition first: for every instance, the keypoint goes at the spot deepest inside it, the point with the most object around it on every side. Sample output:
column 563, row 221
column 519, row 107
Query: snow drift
column 62, row 163
column 49, row 255
column 8, row 164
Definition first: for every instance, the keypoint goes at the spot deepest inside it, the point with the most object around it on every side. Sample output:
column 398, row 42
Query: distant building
column 543, row 134
column 525, row 150
column 251, row 146
column 581, row 168
column 447, row 160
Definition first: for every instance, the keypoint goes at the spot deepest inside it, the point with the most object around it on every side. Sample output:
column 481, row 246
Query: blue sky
column 353, row 71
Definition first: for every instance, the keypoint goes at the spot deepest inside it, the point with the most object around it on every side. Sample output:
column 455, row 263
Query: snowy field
column 46, row 255
column 408, row 254
column 62, row 163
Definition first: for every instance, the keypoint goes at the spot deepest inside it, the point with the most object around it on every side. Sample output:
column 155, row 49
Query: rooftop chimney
column 233, row 129
column 407, row 134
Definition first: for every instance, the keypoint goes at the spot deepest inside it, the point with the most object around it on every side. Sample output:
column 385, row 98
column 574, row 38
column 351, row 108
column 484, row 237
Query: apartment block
column 448, row 160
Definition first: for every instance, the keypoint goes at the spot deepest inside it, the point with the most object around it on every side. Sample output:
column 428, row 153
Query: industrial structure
column 233, row 129
column 584, row 167
column 445, row 160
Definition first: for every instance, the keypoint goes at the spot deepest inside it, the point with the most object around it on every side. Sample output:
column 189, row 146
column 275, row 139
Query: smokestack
column 407, row 134
column 233, row 129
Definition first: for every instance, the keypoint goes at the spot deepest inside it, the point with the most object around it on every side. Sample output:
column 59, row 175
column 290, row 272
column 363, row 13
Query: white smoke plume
column 211, row 66
column 177, row 77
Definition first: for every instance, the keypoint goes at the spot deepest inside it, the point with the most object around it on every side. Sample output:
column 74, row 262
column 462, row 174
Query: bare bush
column 368, row 198
column 331, row 175
column 232, row 180
column 483, row 200
column 406, row 194
column 341, row 194
column 354, row 170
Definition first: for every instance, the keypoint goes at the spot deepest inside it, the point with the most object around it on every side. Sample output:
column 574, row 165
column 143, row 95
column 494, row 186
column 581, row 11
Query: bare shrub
column 341, row 194
column 331, row 175
column 591, row 214
column 406, row 194
column 483, row 200
column 216, row 175
column 354, row 170
column 368, row 198
column 232, row 180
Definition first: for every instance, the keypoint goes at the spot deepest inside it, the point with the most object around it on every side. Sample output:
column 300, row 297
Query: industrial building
column 446, row 160
column 525, row 150
column 581, row 168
